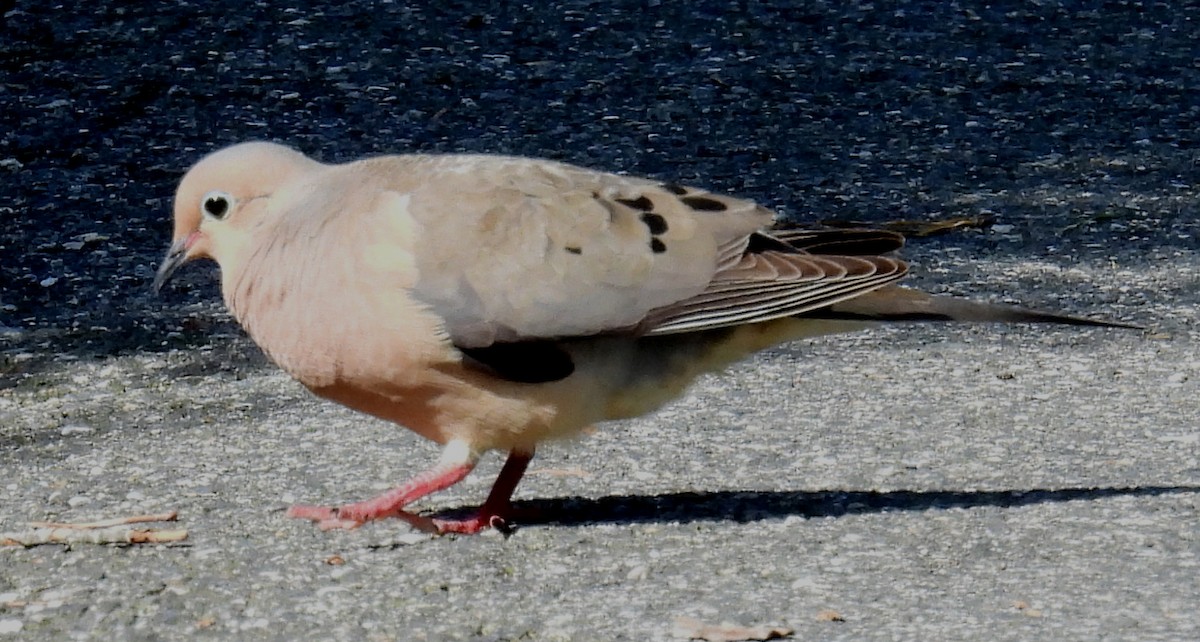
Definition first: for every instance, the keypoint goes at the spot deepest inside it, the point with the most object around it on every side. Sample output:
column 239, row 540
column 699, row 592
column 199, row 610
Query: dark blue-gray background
column 860, row 111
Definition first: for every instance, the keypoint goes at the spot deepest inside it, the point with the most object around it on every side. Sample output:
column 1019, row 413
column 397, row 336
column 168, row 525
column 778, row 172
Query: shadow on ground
column 753, row 506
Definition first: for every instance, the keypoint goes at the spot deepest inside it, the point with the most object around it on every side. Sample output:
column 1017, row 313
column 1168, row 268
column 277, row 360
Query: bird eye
column 216, row 204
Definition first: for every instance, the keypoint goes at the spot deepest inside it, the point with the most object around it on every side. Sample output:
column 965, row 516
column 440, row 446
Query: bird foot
column 483, row 519
column 326, row 517
column 391, row 504
column 347, row 518
column 352, row 516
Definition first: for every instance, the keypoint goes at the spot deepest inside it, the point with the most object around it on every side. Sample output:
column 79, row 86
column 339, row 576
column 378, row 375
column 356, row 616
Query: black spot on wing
column 656, row 223
column 523, row 361
column 657, row 246
column 703, row 203
column 573, row 249
column 640, row 203
column 675, row 189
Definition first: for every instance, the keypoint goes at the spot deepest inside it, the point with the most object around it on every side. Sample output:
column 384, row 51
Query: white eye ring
column 217, row 204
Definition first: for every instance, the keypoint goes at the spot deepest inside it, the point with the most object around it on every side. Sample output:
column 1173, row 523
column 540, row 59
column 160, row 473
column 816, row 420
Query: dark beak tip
column 157, row 285
column 175, row 257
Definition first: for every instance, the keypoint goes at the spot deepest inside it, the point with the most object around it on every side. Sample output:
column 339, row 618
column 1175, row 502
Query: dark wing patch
column 523, row 361
column 640, row 203
column 656, row 223
column 760, row 243
column 703, row 203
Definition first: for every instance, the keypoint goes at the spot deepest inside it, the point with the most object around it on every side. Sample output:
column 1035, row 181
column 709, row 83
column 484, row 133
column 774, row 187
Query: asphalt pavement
column 917, row 482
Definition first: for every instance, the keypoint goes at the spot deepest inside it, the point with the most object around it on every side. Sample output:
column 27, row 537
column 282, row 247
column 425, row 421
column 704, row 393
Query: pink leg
column 498, row 504
column 456, row 463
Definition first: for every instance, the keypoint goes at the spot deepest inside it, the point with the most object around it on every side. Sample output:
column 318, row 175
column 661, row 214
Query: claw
column 484, row 519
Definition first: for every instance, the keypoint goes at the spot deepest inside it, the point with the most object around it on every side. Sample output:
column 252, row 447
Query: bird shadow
column 754, row 506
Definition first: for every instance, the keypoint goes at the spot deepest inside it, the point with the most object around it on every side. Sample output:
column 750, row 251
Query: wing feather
column 514, row 249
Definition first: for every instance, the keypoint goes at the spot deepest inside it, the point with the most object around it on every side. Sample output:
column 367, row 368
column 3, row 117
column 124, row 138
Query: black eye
column 216, row 205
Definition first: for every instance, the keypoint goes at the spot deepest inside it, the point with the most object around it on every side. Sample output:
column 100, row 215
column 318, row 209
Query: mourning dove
column 493, row 302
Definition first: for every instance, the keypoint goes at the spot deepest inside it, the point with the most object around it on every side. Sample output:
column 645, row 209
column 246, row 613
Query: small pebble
column 639, row 572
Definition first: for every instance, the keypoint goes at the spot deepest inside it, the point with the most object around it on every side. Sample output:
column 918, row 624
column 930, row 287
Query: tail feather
column 895, row 303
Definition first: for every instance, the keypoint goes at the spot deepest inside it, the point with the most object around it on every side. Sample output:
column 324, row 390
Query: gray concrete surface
column 924, row 482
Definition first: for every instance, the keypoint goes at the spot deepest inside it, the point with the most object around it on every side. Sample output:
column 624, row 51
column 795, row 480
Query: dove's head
column 219, row 196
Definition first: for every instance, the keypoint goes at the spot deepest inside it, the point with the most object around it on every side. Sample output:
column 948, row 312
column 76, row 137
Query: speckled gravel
column 923, row 483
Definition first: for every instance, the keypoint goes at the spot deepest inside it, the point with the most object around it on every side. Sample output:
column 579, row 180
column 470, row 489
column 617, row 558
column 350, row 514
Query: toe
column 473, row 525
column 314, row 513
column 334, row 524
column 327, row 518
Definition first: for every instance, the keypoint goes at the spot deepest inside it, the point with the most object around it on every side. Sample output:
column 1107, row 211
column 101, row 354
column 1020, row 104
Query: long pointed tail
column 895, row 303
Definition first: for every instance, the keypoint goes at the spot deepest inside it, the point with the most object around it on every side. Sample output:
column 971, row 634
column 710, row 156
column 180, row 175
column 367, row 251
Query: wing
column 786, row 274
column 513, row 250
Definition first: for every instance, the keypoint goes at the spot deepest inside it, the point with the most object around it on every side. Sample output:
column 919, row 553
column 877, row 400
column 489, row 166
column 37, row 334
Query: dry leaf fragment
column 829, row 615
column 105, row 523
column 693, row 629
column 335, row 560
column 108, row 531
column 1026, row 609
column 110, row 535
